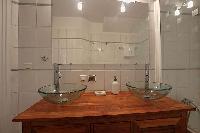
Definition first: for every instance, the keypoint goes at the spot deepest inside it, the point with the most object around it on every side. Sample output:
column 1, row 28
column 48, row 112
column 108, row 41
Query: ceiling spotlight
column 123, row 8
column 177, row 12
column 80, row 6
column 190, row 4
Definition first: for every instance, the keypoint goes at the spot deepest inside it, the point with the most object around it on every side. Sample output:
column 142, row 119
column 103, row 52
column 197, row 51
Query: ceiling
column 98, row 10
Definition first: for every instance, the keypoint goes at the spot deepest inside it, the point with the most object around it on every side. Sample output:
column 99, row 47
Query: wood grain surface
column 89, row 105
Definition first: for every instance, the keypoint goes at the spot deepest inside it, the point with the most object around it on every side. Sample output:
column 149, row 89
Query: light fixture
column 177, row 12
column 123, row 8
column 190, row 4
column 80, row 6
column 128, row 1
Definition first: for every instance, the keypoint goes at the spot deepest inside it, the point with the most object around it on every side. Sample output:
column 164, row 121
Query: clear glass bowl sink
column 155, row 90
column 66, row 93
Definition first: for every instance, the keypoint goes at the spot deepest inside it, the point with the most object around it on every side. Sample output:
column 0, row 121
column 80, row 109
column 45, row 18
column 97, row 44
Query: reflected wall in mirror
column 100, row 32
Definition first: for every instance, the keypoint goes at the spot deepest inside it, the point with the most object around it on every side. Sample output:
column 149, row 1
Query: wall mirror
column 100, row 32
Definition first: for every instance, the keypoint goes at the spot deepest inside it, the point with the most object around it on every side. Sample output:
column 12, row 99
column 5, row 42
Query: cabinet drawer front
column 157, row 126
column 169, row 129
column 121, row 127
column 61, row 129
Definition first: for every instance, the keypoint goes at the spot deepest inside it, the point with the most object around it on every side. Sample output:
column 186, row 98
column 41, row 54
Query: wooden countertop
column 89, row 105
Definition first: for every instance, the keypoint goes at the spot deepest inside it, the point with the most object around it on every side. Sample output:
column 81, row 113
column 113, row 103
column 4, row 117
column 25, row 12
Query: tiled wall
column 12, row 61
column 77, row 40
column 181, row 59
column 34, row 43
column 30, row 39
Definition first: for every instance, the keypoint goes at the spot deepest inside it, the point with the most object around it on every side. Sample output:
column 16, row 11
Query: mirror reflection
column 100, row 32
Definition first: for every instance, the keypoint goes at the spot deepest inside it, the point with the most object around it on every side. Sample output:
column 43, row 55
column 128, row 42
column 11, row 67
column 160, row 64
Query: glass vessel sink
column 153, row 92
column 65, row 94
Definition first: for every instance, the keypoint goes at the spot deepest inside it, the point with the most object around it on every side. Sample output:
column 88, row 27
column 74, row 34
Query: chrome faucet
column 147, row 76
column 57, row 76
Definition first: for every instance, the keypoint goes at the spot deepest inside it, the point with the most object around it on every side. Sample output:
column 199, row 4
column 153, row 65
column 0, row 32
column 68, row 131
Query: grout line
column 31, row 4
column 102, row 41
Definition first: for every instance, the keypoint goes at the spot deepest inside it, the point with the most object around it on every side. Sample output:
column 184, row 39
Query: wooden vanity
column 123, row 113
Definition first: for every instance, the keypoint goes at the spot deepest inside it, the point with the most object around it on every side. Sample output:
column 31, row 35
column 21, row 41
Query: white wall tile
column 26, row 55
column 194, row 58
column 169, row 77
column 43, row 77
column 182, row 78
column 99, row 84
column 127, row 76
column 194, row 76
column 14, row 13
column 128, row 66
column 27, row 82
column 44, row 15
column 139, row 75
column 27, row 99
column 96, row 67
column 80, row 67
column 14, row 81
column 112, row 67
column 43, row 36
column 27, row 1
column 173, row 93
column 14, row 53
column 27, row 16
column 14, row 104
column 27, row 37
column 74, row 77
column 170, row 36
column 44, row 1
column 67, row 77
column 41, row 52
column 13, row 35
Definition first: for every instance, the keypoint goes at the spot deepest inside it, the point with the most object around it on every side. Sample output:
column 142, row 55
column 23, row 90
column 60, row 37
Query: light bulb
column 177, row 12
column 80, row 6
column 190, row 4
column 123, row 8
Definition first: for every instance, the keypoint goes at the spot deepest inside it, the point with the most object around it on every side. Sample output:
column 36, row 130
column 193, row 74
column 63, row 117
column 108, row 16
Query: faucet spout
column 147, row 76
column 57, row 76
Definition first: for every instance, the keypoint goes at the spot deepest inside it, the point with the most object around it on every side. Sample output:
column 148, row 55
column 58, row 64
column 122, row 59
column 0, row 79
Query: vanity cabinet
column 120, row 127
column 60, row 129
column 123, row 113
